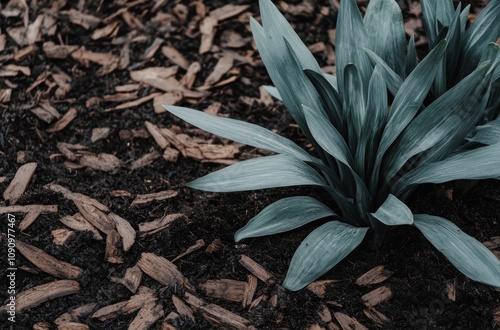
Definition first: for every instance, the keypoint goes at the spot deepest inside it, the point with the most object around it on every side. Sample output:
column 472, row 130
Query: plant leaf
column 320, row 251
column 411, row 58
column 260, row 173
column 273, row 91
column 430, row 18
column 466, row 253
column 240, row 131
column 394, row 212
column 392, row 79
column 488, row 133
column 385, row 28
column 284, row 215
column 354, row 103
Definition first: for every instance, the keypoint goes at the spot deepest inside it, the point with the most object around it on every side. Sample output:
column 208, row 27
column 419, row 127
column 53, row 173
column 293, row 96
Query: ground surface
column 423, row 292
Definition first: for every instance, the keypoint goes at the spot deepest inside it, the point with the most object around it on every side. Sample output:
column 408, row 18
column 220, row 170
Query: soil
column 421, row 275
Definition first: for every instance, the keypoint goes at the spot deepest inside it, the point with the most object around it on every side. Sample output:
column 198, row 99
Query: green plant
column 368, row 158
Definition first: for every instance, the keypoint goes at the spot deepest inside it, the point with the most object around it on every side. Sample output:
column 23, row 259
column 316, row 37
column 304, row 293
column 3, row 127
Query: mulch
column 93, row 173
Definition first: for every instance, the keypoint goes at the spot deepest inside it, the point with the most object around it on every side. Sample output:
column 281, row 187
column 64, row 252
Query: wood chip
column 79, row 223
column 175, row 56
column 451, row 292
column 19, row 183
column 496, row 317
column 215, row 314
column 99, row 133
column 131, row 280
column 215, row 246
column 32, row 212
column 377, row 317
column 232, row 39
column 113, row 253
column 171, row 155
column 75, row 314
column 227, row 11
column 157, row 196
column 156, row 134
column 163, row 271
column 126, row 231
column 377, row 296
column 147, row 316
column 52, row 50
column 46, row 112
column 84, row 20
column 65, row 120
column 101, row 162
column 224, row 64
column 145, row 160
column 256, row 269
column 5, row 95
column 94, row 215
column 189, row 78
column 324, row 314
column 12, row 70
column 169, row 98
column 250, row 289
column 226, row 289
column 34, row 296
column 109, row 30
column 348, row 323
column 135, row 103
column 183, row 309
column 73, row 326
column 48, row 263
column 196, row 246
column 62, row 236
column 63, row 81
column 208, row 29
column 125, row 307
column 374, row 276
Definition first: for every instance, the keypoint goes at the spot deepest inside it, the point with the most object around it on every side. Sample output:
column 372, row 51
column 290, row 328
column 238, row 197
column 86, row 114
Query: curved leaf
column 273, row 91
column 260, row 173
column 320, row 251
column 284, row 215
column 487, row 134
column 466, row 253
column 392, row 79
column 394, row 212
column 411, row 57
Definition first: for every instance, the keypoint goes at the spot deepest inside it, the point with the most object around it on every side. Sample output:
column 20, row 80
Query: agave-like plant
column 370, row 155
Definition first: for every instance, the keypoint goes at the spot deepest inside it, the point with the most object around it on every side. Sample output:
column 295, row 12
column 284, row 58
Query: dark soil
column 421, row 273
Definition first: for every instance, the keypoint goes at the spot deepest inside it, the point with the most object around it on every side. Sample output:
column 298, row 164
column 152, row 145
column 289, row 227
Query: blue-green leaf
column 445, row 12
column 466, row 253
column 394, row 212
column 284, row 215
column 385, row 28
column 487, row 134
column 320, row 251
column 392, row 79
column 430, row 19
column 260, row 173
column 411, row 57
column 273, row 91
column 241, row 132
column 354, row 103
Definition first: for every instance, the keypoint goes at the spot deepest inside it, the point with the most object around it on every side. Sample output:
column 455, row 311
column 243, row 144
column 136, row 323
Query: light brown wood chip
column 75, row 314
column 32, row 212
column 79, row 223
column 48, row 263
column 73, row 326
column 348, row 323
column 86, row 21
column 58, row 51
column 319, row 288
column 157, row 196
column 249, row 291
column 34, row 296
column 156, row 134
column 163, row 271
column 183, row 309
column 227, row 11
column 101, row 162
column 256, row 269
column 377, row 296
column 224, row 64
column 124, row 307
column 175, row 56
column 196, row 246
column 169, row 98
column 226, row 289
column 18, row 185
column 62, row 236
column 377, row 317
column 152, row 227
column 65, row 120
column 125, row 229
column 147, row 316
column 208, row 30
column 374, row 276
column 113, row 253
column 131, row 280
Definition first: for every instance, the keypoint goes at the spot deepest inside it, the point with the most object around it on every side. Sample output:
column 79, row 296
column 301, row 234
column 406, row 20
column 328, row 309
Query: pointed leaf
column 392, row 79
column 284, row 215
column 240, row 131
column 430, row 18
column 487, row 134
column 385, row 28
column 394, row 212
column 466, row 253
column 411, row 57
column 273, row 91
column 320, row 251
column 260, row 173
column 354, row 102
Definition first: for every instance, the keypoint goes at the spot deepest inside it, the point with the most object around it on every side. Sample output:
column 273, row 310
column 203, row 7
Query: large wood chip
column 219, row 316
column 224, row 64
column 12, row 70
column 62, row 236
column 227, row 11
column 75, row 314
column 67, row 149
column 34, row 296
column 63, row 80
column 377, row 317
column 102, row 162
column 46, row 112
column 157, row 196
column 249, row 291
column 152, row 227
column 124, row 307
column 147, row 316
column 21, row 54
column 153, row 73
column 256, row 269
column 113, row 253
column 110, row 30
column 226, row 289
column 195, row 247
column 183, row 309
column 374, row 276
column 163, row 271
column 110, row 311
column 65, row 120
column 125, row 229
column 208, row 30
column 217, row 151
column 156, row 134
column 131, row 280
column 171, row 155
column 319, row 288
column 86, row 21
column 145, row 160
column 79, row 223
column 169, row 98
column 18, row 185
column 95, row 216
column 48, row 263
column 377, row 296
column 348, row 323
column 150, row 52
column 58, row 51
column 32, row 212
column 324, row 314
column 172, row 138
column 175, row 56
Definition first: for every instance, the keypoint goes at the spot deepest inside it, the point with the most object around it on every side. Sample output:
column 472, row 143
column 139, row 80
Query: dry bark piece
column 496, row 316
column 163, row 271
column 196, row 246
column 232, row 39
column 109, row 30
column 256, row 269
column 62, row 236
column 219, row 84
column 153, row 73
column 79, row 223
column 377, row 317
column 135, row 103
column 5, row 95
column 34, row 296
column 19, row 183
column 226, row 289
column 145, row 160
column 215, row 314
column 126, row 231
column 112, row 253
column 73, row 326
column 224, row 64
column 169, row 98
column 25, row 52
column 183, row 309
column 32, row 212
column 124, row 307
column 189, row 78
column 52, row 50
column 63, row 122
column 451, row 292
column 249, row 290
column 374, row 276
column 377, row 296
column 215, row 246
column 175, row 56
column 324, row 314
column 12, row 70
column 150, row 52
column 156, row 134
column 94, row 215
column 67, row 149
column 172, row 138
column 348, row 323
column 157, row 196
column 84, row 20
column 75, row 314
column 208, row 29
column 131, row 280
column 228, row 11
column 63, row 81
column 147, row 316
column 48, row 263
column 99, row 133
column 46, row 112
column 102, row 162
column 171, row 155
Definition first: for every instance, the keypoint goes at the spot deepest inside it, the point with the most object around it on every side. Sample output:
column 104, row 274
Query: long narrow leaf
column 394, row 212
column 430, row 18
column 284, row 215
column 392, row 79
column 260, row 173
column 466, row 253
column 320, row 251
column 411, row 57
column 487, row 134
